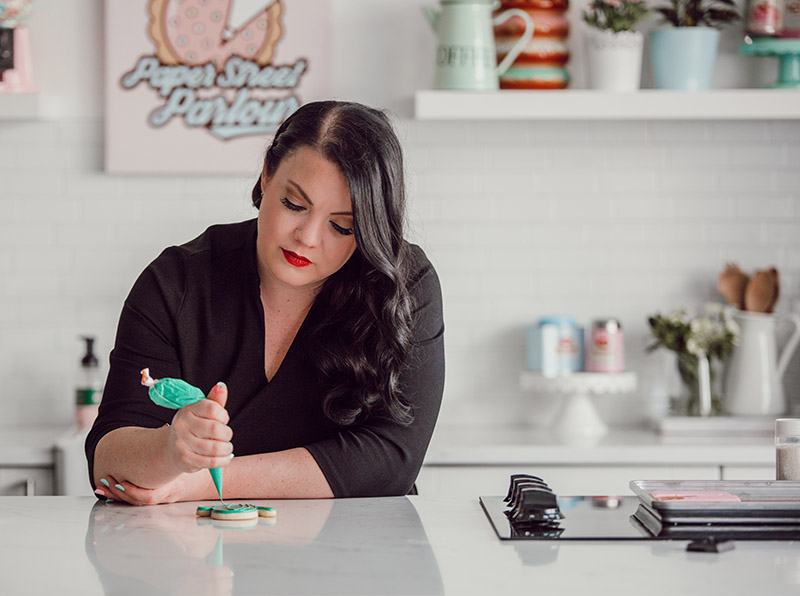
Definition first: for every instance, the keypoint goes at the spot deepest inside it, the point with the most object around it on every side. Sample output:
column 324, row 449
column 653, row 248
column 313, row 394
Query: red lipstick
column 295, row 259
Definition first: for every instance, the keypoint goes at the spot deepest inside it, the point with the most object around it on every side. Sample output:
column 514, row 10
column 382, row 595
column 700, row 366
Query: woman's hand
column 199, row 436
column 186, row 487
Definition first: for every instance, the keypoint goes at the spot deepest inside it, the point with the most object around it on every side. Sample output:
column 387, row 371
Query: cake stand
column 788, row 52
column 577, row 416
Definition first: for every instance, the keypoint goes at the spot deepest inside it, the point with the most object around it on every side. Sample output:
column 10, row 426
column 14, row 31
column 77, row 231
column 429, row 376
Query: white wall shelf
column 584, row 104
column 21, row 106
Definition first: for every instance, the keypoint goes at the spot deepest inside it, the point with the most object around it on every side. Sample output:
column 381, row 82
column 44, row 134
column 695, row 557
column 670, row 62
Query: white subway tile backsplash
column 627, row 180
column 764, row 206
column 641, row 207
column 8, row 310
column 28, row 134
column 458, row 159
column 503, row 133
column 435, row 133
column 792, row 149
column 678, row 257
column 514, row 159
column 701, row 206
column 567, row 181
column 54, row 260
column 744, row 179
column 696, row 156
column 787, row 179
column 521, row 220
column 680, row 131
column 786, row 233
column 551, row 133
column 26, row 235
column 757, row 155
column 683, row 233
column 674, row 180
column 448, row 183
column 509, row 186
column 744, row 130
column 621, row 133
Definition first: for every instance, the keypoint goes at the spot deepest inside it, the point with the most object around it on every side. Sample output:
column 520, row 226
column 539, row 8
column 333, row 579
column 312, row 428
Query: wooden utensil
column 732, row 283
column 759, row 295
column 776, row 282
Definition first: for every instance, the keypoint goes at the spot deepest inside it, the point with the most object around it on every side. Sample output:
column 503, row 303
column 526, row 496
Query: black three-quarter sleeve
column 145, row 338
column 381, row 457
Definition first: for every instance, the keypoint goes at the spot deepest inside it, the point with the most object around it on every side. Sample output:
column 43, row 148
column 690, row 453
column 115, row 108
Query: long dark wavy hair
column 361, row 342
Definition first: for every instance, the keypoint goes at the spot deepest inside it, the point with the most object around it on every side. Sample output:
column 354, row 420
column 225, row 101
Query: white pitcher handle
column 521, row 43
column 791, row 345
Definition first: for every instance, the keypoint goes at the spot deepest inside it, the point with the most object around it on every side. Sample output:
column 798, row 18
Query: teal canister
column 684, row 57
column 554, row 346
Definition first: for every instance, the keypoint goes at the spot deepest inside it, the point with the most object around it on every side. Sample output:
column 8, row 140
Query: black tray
column 723, row 530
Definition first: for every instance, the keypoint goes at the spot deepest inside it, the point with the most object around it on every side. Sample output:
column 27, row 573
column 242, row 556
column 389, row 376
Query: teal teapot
column 466, row 57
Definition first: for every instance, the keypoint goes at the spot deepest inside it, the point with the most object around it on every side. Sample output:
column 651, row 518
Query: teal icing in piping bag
column 174, row 394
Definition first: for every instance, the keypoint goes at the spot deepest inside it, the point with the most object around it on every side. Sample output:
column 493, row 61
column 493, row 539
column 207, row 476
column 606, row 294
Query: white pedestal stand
column 578, row 416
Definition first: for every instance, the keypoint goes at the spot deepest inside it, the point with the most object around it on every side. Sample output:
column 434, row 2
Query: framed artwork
column 200, row 86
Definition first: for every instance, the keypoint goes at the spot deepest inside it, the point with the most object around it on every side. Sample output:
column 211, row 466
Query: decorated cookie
column 195, row 32
column 266, row 511
column 203, row 512
column 234, row 512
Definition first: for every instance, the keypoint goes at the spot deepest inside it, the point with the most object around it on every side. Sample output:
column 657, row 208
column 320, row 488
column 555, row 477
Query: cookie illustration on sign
column 196, row 32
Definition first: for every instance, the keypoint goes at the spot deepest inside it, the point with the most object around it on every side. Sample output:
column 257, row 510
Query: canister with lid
column 787, row 449
column 555, row 346
column 605, row 347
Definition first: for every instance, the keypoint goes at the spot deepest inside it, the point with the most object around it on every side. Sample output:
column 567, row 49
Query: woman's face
column 305, row 222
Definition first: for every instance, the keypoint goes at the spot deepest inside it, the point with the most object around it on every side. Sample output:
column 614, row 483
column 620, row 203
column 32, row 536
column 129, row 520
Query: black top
column 195, row 313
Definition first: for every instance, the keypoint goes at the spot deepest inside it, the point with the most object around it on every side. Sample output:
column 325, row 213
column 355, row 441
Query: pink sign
column 202, row 85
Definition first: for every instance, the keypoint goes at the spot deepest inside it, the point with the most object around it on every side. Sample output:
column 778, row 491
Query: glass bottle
column 787, row 449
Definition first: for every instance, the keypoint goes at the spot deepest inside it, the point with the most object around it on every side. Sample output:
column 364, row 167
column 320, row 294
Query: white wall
column 521, row 219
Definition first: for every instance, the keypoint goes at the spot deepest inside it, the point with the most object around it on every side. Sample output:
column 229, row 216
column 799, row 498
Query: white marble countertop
column 520, row 446
column 402, row 545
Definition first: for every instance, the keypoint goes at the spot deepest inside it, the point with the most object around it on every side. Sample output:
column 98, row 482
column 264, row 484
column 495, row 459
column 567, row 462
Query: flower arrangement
column 699, row 13
column 13, row 12
column 615, row 15
column 712, row 335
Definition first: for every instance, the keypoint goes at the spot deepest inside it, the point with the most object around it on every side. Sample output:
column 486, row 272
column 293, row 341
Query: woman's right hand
column 199, row 435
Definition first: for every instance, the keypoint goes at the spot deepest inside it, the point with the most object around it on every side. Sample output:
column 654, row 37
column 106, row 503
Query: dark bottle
column 89, row 389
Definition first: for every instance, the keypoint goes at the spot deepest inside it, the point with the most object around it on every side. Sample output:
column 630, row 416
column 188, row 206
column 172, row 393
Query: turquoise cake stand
column 788, row 53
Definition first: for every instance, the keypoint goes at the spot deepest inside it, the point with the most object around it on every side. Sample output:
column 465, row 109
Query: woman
column 317, row 328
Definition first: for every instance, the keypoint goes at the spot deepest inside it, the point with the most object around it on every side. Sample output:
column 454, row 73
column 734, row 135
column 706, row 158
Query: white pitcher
column 754, row 373
column 466, row 57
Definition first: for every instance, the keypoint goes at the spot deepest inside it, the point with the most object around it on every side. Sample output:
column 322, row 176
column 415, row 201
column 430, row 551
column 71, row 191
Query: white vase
column 614, row 59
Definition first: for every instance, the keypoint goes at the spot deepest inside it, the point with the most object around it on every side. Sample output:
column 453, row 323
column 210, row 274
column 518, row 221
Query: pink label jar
column 605, row 347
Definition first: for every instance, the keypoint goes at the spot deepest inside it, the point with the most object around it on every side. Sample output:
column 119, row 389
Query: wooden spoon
column 732, row 283
column 759, row 295
column 777, row 284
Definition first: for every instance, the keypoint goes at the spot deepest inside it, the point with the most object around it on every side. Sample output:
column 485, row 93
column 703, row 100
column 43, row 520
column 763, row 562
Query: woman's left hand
column 186, row 487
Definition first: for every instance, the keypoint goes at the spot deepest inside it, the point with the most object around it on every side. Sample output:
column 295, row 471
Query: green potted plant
column 698, row 341
column 685, row 54
column 614, row 49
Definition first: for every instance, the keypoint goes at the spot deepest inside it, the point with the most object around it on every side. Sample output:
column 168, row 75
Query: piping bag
column 174, row 394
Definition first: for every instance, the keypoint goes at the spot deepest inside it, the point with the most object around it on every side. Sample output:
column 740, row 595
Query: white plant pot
column 614, row 59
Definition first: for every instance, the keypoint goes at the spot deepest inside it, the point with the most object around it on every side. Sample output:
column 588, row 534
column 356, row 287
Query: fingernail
column 100, row 492
column 221, row 386
column 109, row 500
column 104, row 481
column 120, row 487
